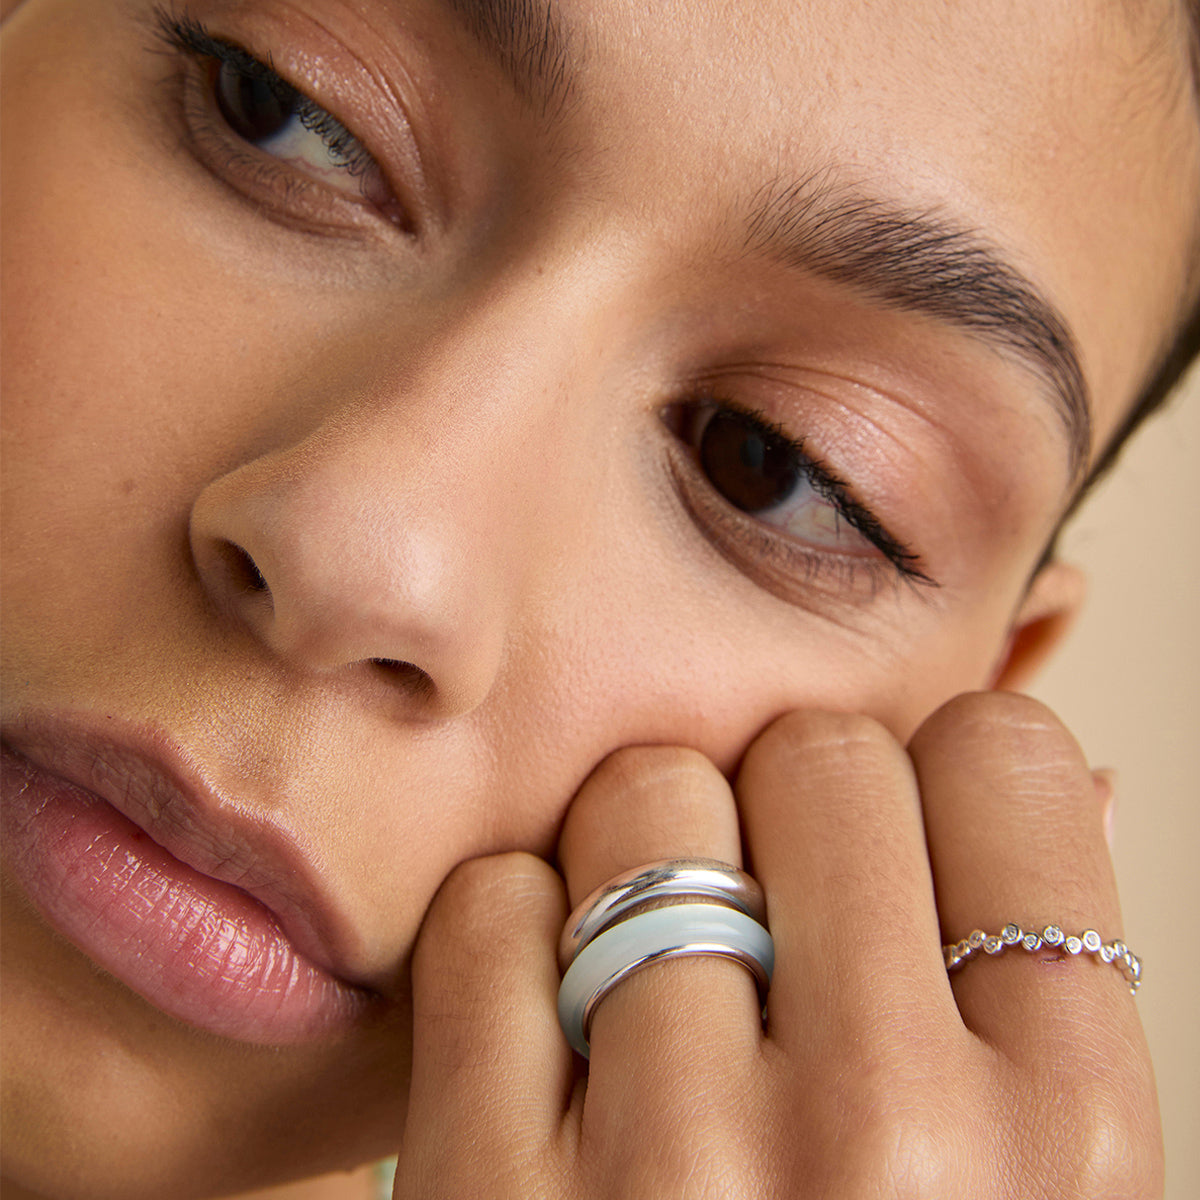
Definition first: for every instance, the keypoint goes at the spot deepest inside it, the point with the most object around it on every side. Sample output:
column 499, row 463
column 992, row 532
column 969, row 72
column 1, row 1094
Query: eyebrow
column 529, row 42
column 922, row 262
column 910, row 260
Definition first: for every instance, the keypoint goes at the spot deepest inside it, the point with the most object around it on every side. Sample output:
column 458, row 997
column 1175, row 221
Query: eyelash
column 779, row 561
column 739, row 535
column 187, row 36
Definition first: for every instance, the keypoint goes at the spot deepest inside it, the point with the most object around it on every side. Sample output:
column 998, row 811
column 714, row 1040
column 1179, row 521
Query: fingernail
column 1105, row 780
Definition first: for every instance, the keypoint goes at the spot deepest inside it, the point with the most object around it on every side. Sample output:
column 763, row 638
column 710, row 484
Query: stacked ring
column 670, row 909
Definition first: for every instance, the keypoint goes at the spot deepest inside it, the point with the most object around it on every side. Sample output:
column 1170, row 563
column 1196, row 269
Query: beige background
column 1127, row 682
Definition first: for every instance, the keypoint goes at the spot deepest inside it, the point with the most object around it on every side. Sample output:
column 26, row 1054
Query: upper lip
column 154, row 782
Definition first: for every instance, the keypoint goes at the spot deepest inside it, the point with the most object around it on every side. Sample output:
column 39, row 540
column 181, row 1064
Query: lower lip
column 198, row 949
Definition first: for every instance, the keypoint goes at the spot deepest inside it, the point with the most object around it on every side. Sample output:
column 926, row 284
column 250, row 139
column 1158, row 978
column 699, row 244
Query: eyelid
column 825, row 482
column 795, row 573
column 328, row 76
column 774, row 559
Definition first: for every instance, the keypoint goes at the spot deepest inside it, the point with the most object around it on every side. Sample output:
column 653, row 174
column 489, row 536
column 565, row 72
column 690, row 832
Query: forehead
column 874, row 85
column 1064, row 134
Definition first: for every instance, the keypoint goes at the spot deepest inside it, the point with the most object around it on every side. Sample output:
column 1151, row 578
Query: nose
column 390, row 542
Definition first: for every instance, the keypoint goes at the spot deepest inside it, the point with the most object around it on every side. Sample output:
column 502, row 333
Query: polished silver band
column 671, row 881
column 671, row 909
column 1088, row 942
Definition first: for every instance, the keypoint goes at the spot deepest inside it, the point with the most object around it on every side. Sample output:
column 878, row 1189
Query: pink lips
column 180, row 933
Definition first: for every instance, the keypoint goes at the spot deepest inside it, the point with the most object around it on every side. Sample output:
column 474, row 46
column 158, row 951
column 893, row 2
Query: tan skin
column 205, row 367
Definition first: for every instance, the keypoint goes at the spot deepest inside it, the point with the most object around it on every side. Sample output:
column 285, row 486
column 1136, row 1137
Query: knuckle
column 812, row 736
column 481, row 898
column 704, row 1158
column 1106, row 1143
column 1017, row 743
column 489, row 914
column 907, row 1151
column 894, row 1125
column 495, row 881
column 999, row 719
column 839, row 766
column 671, row 795
column 640, row 767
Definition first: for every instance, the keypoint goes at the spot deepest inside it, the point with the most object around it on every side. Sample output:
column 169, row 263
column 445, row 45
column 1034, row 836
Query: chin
column 106, row 1098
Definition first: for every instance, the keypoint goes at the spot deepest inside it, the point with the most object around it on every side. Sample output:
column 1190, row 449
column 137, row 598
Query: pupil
column 254, row 108
column 753, row 468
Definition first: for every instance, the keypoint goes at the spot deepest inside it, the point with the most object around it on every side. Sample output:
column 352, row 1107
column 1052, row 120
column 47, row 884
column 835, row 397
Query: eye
column 775, row 510
column 761, row 471
column 262, row 109
column 255, row 110
column 271, row 115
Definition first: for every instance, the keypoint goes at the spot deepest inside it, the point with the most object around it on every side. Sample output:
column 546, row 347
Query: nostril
column 243, row 570
column 407, row 675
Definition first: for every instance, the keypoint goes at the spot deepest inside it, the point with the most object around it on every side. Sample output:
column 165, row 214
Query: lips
column 213, row 914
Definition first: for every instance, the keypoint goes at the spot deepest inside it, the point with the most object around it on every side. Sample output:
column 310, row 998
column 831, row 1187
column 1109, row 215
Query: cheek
column 715, row 693
column 137, row 367
column 649, row 646
column 100, row 435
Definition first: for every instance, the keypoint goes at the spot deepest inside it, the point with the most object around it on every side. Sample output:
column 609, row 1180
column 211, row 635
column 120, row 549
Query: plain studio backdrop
column 1127, row 683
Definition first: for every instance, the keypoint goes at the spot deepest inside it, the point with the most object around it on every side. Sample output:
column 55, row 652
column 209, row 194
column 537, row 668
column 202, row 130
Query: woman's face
column 378, row 477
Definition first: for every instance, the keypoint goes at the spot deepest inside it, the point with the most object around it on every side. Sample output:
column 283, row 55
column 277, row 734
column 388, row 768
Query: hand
column 876, row 1074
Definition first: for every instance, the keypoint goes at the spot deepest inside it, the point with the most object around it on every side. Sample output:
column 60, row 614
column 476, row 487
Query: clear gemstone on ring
column 1115, row 952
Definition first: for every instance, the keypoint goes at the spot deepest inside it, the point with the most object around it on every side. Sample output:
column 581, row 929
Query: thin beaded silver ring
column 1089, row 941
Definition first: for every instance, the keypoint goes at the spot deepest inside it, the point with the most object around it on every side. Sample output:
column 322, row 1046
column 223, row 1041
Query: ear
column 1048, row 611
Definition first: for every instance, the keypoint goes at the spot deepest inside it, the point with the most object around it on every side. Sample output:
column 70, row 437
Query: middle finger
column 641, row 805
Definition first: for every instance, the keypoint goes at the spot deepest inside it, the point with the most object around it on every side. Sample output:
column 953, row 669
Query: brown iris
column 753, row 467
column 256, row 109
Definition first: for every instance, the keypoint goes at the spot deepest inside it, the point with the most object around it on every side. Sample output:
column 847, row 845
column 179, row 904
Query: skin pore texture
column 369, row 509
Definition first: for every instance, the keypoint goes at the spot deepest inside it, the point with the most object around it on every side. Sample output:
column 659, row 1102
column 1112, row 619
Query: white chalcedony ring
column 669, row 909
column 1052, row 936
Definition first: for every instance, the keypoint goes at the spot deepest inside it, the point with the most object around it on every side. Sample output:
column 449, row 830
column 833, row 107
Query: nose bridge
column 396, row 531
column 445, row 453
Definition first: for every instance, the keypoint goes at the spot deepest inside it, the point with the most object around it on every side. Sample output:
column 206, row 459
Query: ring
column 1114, row 952
column 669, row 882
column 651, row 936
column 671, row 909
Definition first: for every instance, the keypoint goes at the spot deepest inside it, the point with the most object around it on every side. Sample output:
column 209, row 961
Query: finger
column 1016, row 835
column 491, row 1076
column 646, row 803
column 834, row 834
column 641, row 805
